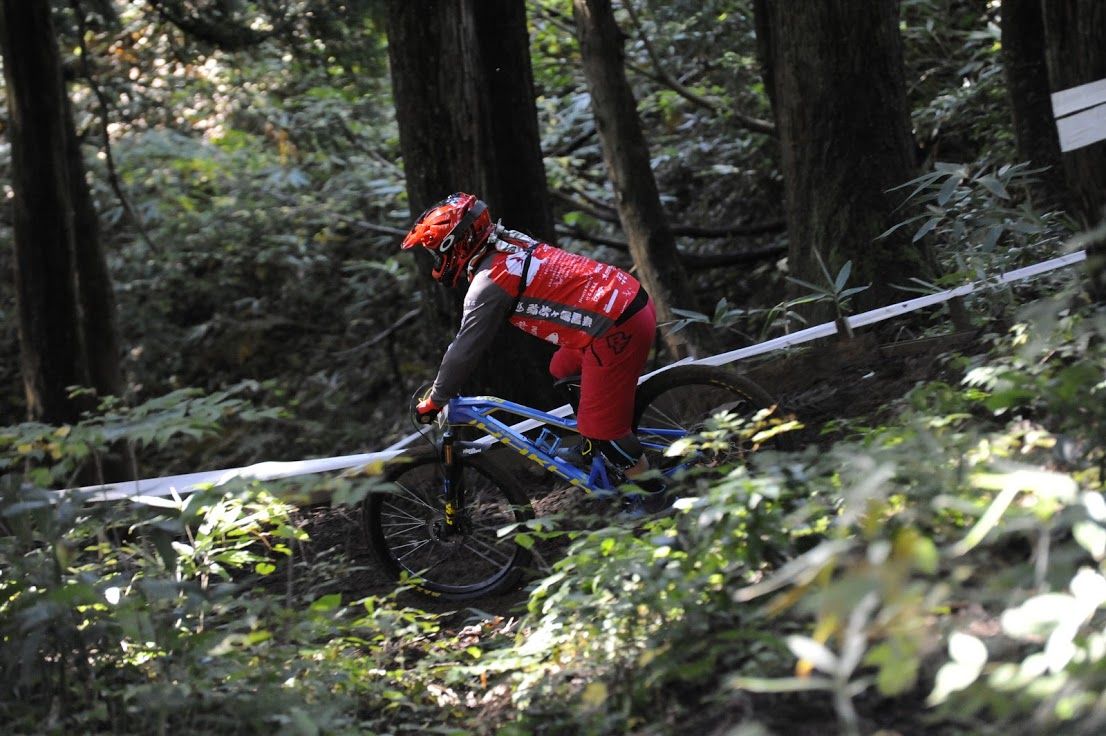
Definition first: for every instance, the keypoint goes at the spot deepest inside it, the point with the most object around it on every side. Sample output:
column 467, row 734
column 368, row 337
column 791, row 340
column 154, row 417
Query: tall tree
column 66, row 308
column 504, row 48
column 839, row 97
column 1075, row 36
column 96, row 296
column 1023, row 55
column 463, row 90
column 626, row 154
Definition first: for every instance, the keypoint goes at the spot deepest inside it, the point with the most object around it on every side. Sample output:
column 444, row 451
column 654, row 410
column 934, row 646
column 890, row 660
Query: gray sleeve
column 486, row 308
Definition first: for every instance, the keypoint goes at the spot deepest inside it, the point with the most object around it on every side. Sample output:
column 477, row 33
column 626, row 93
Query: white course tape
column 183, row 484
column 893, row 310
column 168, row 486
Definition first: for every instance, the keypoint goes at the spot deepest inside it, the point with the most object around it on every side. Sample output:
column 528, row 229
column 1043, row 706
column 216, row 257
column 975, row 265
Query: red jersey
column 569, row 299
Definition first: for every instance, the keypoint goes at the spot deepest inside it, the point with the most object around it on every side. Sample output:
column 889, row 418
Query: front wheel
column 406, row 527
column 679, row 401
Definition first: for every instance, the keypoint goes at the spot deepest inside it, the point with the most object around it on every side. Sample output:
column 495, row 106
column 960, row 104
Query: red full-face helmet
column 456, row 231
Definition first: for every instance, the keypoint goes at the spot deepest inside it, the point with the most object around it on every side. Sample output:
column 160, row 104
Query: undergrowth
column 941, row 571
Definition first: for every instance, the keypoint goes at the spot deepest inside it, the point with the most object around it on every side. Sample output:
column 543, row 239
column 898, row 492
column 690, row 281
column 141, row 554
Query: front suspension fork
column 453, row 485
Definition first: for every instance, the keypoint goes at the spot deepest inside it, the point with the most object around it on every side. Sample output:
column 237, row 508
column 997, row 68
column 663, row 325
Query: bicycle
column 441, row 525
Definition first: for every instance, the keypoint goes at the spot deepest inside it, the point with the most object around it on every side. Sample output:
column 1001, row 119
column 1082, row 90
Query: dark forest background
column 203, row 205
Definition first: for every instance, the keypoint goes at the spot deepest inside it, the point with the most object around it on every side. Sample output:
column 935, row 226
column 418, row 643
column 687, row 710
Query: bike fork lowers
column 453, row 486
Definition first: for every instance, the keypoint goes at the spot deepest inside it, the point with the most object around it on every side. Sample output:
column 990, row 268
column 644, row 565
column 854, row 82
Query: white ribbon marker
column 183, row 484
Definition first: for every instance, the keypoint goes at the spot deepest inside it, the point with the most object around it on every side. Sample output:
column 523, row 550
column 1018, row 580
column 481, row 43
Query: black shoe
column 658, row 501
column 577, row 453
column 654, row 498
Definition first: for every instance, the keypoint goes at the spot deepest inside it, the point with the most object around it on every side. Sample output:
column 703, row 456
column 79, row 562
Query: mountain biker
column 599, row 316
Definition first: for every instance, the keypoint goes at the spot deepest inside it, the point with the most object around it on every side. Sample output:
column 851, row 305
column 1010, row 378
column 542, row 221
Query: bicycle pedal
column 573, row 454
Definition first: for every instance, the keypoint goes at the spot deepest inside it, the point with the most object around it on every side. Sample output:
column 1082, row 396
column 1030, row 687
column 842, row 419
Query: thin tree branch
column 696, row 261
column 219, row 32
column 750, row 123
column 658, row 68
column 105, row 112
column 660, row 76
column 737, row 229
column 604, row 212
column 399, row 323
column 373, row 228
column 597, row 209
column 576, row 143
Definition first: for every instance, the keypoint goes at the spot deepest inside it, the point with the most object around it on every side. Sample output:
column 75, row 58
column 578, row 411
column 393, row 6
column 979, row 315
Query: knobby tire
column 404, row 526
column 686, row 397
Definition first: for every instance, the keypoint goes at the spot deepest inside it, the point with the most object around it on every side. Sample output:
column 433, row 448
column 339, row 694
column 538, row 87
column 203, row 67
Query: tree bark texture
column 96, row 296
column 845, row 135
column 42, row 213
column 1075, row 35
column 1023, row 55
column 522, row 195
column 468, row 122
column 437, row 84
column 626, row 154
column 765, row 56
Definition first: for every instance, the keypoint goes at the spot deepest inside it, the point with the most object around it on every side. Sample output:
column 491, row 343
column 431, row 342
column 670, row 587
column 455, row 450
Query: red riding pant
column 609, row 369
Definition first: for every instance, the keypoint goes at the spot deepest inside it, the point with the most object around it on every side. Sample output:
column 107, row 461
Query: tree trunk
column 523, row 195
column 626, row 154
column 1096, row 267
column 46, row 286
column 436, row 81
column 1023, row 54
column 845, row 135
column 765, row 55
column 96, row 297
column 468, row 123
column 1075, row 35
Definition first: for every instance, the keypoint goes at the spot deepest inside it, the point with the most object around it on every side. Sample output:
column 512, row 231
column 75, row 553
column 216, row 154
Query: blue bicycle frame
column 479, row 411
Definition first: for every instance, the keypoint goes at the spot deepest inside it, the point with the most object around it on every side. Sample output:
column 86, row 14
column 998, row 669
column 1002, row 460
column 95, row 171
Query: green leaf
column 994, row 232
column 853, row 290
column 813, row 287
column 780, row 684
column 1038, row 616
column 994, row 186
column 898, row 671
column 927, row 228
column 843, row 276
column 902, row 224
column 948, row 189
column 302, row 724
column 327, row 603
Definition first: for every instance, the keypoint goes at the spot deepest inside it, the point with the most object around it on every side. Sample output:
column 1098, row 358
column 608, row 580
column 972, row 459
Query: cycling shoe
column 652, row 501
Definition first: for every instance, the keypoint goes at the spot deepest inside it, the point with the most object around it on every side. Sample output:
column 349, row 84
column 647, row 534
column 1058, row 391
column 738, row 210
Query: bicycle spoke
column 404, row 526
column 424, row 571
column 418, row 545
column 416, row 497
column 397, row 512
column 665, row 416
column 486, row 558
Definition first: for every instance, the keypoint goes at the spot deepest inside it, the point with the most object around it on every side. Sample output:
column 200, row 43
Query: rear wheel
column 406, row 527
column 680, row 400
